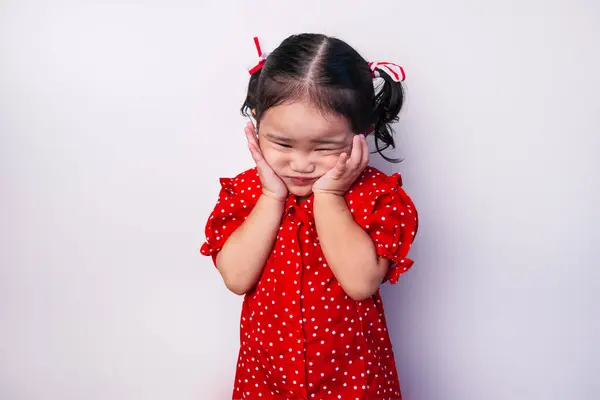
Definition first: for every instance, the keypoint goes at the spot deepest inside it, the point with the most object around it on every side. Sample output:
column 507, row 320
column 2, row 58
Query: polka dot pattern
column 301, row 336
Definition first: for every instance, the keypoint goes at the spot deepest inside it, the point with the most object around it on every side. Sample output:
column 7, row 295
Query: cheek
column 273, row 157
column 326, row 162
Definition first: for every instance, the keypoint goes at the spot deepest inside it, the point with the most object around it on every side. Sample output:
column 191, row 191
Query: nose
column 302, row 164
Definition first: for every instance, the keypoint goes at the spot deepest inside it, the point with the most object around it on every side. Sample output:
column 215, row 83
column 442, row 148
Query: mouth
column 299, row 181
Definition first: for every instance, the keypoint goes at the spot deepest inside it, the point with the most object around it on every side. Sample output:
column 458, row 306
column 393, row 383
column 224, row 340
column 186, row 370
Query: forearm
column 348, row 249
column 245, row 253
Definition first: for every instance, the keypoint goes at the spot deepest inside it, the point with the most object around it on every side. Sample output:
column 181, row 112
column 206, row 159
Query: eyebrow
column 283, row 139
column 278, row 138
column 328, row 141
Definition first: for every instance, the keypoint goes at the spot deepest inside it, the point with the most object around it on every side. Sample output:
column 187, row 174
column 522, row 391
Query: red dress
column 301, row 336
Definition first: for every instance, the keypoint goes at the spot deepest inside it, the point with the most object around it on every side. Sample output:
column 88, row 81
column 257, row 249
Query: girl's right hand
column 272, row 185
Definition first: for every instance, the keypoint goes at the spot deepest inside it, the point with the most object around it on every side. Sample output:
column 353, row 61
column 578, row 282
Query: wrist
column 272, row 202
column 273, row 196
column 330, row 200
column 328, row 195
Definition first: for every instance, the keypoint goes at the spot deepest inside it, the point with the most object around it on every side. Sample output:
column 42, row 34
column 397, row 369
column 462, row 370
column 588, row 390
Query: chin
column 300, row 191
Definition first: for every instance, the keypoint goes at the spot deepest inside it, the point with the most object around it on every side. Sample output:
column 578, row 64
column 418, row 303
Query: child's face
column 301, row 144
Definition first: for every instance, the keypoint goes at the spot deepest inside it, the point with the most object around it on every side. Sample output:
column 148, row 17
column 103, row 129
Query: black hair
column 335, row 78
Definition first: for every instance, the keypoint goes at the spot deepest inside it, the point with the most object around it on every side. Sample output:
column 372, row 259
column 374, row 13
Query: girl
column 311, row 232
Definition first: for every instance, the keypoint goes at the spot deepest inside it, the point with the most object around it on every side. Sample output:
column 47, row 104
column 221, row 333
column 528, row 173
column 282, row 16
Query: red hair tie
column 394, row 71
column 262, row 58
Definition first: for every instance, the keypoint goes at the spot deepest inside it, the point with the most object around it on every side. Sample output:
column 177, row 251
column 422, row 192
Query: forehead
column 301, row 120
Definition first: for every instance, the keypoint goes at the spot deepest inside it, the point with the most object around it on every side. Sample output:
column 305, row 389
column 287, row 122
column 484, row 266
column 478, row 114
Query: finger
column 250, row 130
column 261, row 164
column 340, row 167
column 253, row 145
column 251, row 137
column 250, row 126
column 256, row 155
column 365, row 155
column 356, row 154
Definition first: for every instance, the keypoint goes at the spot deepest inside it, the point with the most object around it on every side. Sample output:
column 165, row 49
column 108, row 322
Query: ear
column 369, row 131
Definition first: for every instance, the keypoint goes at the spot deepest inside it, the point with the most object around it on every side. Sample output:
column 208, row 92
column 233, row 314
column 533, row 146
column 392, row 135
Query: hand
column 347, row 169
column 272, row 185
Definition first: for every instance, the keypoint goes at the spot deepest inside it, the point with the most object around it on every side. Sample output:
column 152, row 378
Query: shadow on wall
column 402, row 304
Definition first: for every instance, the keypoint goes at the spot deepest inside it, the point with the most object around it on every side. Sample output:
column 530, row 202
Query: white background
column 116, row 121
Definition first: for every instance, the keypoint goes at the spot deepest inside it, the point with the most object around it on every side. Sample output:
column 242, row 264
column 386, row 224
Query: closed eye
column 287, row 146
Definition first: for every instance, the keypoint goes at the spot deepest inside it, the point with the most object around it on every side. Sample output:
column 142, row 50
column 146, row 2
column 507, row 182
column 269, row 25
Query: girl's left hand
column 347, row 169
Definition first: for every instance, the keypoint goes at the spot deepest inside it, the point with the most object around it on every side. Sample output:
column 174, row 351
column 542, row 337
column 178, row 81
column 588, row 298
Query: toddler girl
column 311, row 232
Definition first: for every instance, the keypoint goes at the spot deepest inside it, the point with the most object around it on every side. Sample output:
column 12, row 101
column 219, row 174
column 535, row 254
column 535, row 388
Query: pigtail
column 387, row 106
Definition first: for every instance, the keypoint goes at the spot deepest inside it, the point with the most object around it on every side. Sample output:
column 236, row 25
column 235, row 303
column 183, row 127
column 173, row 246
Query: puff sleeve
column 237, row 198
column 384, row 210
